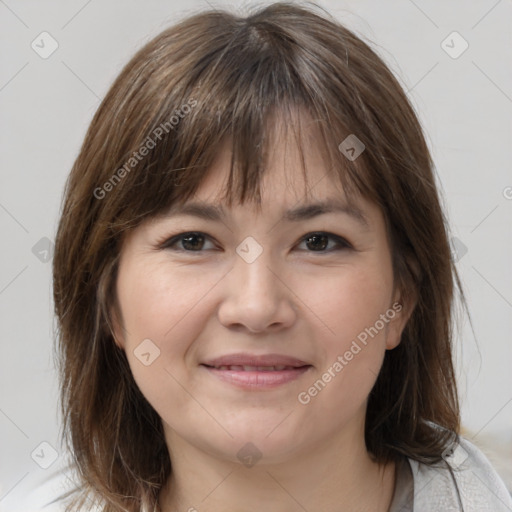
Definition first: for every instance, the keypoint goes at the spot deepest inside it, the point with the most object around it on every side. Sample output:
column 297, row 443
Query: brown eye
column 186, row 242
column 193, row 242
column 319, row 242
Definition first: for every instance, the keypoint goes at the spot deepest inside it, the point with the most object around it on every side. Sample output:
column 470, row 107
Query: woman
column 254, row 284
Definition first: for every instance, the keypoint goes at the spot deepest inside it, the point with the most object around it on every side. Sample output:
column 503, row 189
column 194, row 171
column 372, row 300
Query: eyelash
column 169, row 242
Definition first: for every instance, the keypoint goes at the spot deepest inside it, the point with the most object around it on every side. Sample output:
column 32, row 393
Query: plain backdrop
column 464, row 103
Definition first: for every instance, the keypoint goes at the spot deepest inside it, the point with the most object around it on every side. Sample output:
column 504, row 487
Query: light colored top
column 418, row 487
column 465, row 481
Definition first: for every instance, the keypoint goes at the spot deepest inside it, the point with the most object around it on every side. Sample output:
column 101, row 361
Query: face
column 265, row 326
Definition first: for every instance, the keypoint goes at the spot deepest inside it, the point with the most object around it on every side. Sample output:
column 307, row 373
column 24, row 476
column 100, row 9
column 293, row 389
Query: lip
column 229, row 368
column 244, row 359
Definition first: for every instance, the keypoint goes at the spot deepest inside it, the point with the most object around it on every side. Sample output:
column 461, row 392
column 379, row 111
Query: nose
column 256, row 297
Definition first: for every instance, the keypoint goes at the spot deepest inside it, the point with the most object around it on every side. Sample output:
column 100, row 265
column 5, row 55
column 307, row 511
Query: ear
column 402, row 308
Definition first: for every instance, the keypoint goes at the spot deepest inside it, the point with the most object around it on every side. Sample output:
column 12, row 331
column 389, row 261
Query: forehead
column 294, row 167
column 296, row 186
column 286, row 167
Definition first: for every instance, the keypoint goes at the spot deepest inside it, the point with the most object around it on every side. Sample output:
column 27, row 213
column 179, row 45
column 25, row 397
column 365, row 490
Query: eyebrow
column 303, row 212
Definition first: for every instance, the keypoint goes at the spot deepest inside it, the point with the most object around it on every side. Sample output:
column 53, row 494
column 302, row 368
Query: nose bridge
column 255, row 297
column 254, row 280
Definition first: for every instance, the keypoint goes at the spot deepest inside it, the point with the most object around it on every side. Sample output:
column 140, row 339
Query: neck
column 337, row 476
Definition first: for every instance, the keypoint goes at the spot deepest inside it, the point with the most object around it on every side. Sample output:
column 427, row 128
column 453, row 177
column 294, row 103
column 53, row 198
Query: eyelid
column 342, row 242
column 169, row 241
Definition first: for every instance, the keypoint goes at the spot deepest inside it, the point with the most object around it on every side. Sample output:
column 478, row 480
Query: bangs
column 247, row 93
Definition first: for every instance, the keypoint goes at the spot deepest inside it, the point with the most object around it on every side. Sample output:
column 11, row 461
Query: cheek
column 350, row 300
column 159, row 302
column 353, row 342
column 169, row 308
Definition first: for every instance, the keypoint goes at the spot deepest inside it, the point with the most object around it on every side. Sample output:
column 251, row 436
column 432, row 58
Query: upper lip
column 241, row 359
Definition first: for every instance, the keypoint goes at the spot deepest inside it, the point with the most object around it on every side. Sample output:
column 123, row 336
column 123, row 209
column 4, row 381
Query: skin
column 294, row 300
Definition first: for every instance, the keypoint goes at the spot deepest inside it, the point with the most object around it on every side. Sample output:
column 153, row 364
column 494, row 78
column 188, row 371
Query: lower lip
column 257, row 379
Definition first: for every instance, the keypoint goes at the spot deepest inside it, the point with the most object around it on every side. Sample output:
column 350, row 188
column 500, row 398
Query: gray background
column 464, row 103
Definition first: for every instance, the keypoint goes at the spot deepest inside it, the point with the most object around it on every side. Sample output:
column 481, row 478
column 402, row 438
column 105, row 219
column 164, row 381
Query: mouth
column 256, row 372
column 246, row 368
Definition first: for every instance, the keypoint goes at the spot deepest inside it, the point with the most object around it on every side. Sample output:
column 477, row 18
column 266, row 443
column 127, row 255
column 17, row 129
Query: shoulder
column 464, row 480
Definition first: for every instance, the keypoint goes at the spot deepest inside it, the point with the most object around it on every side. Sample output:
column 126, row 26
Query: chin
column 271, row 441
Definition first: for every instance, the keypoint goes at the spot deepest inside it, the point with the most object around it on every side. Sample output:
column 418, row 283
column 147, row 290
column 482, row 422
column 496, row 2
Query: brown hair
column 213, row 77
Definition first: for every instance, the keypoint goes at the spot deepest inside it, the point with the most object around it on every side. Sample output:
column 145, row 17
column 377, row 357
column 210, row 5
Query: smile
column 238, row 368
column 255, row 378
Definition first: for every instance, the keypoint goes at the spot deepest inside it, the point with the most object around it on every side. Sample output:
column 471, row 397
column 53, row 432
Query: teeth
column 238, row 368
